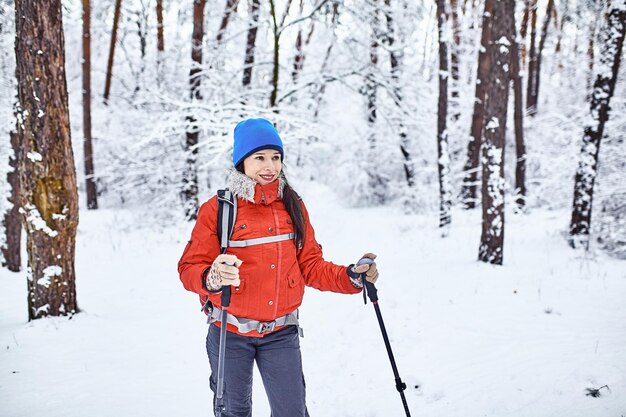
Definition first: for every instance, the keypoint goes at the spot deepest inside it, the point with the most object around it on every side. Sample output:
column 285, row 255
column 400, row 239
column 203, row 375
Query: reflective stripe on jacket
column 273, row 275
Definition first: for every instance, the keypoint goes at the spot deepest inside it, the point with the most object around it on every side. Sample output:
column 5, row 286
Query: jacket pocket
column 240, row 299
column 295, row 287
column 244, row 230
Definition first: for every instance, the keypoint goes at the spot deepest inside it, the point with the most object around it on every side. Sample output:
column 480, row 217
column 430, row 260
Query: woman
column 267, row 279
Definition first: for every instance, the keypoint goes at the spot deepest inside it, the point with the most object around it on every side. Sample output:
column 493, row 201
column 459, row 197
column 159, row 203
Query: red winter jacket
column 273, row 275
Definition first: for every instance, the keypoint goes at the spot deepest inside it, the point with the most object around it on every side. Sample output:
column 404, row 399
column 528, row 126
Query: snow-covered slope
column 524, row 339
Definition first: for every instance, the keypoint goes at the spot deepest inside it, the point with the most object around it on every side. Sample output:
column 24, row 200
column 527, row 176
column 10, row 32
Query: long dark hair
column 292, row 202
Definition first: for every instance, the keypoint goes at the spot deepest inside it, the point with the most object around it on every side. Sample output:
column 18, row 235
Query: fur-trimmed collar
column 245, row 187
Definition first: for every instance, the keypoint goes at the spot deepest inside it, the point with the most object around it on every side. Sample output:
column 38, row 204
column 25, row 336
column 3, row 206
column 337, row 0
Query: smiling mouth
column 267, row 177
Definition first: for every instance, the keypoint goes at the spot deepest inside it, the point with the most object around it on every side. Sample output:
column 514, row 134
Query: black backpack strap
column 226, row 215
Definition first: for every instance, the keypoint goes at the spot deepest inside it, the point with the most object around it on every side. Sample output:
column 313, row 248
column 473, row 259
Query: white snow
column 492, row 124
column 34, row 217
column 43, row 308
column 503, row 41
column 524, row 339
column 52, row 271
column 34, row 156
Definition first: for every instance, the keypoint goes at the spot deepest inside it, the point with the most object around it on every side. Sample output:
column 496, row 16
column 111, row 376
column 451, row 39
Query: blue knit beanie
column 252, row 135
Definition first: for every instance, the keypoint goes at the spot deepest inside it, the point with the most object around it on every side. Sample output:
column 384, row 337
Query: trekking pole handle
column 226, row 290
column 368, row 287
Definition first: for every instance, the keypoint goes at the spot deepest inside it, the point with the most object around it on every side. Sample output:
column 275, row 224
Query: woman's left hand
column 370, row 269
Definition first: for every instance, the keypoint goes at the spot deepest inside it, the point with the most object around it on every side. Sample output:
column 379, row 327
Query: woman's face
column 263, row 166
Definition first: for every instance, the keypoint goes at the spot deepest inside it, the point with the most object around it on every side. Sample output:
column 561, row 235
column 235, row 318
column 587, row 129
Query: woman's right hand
column 224, row 271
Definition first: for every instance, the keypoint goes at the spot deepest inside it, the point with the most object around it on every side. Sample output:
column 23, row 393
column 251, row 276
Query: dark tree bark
column 160, row 38
column 532, row 60
column 190, row 173
column 533, row 89
column 298, row 60
column 518, row 118
column 443, row 156
column 49, row 200
column 492, row 149
column 301, row 42
column 470, row 179
column 229, row 9
column 454, row 58
column 276, row 69
column 395, row 62
column 160, row 42
column 524, row 32
column 11, row 250
column 564, row 17
column 612, row 38
column 248, row 61
column 90, row 181
column 109, row 73
column 197, row 36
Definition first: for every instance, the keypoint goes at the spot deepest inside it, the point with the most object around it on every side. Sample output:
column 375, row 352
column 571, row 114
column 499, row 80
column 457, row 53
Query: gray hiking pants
column 280, row 364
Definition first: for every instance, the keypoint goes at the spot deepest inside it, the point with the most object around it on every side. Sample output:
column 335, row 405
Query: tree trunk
column 159, row 13
column 518, row 118
column 591, row 50
column 276, row 69
column 142, row 33
column 610, row 55
column 298, row 62
column 532, row 61
column 395, row 62
column 196, row 49
column 443, row 155
column 524, row 32
column 109, row 74
column 492, row 149
column 470, row 170
column 533, row 95
column 564, row 17
column 190, row 173
column 250, row 44
column 49, row 200
column 11, row 250
column 90, row 181
column 376, row 182
column 160, row 42
column 454, row 58
column 229, row 9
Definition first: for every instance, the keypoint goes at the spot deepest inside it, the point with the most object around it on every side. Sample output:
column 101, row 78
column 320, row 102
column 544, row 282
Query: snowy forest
column 478, row 147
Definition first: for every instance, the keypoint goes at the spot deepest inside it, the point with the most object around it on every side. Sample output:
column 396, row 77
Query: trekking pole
column 370, row 291
column 219, row 395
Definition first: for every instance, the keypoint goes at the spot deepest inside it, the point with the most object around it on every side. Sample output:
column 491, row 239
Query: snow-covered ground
column 524, row 339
